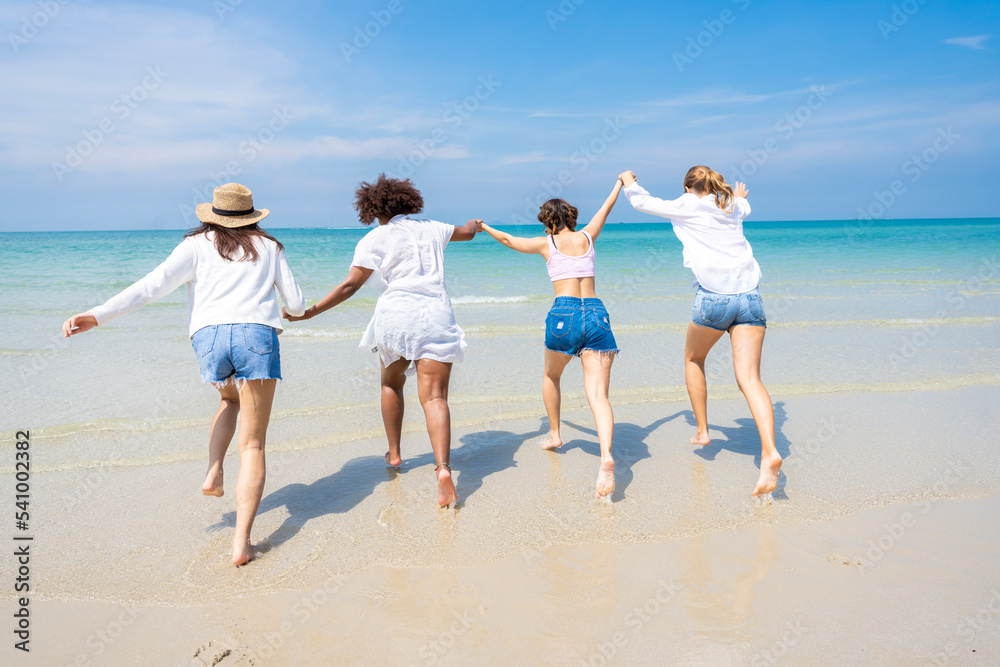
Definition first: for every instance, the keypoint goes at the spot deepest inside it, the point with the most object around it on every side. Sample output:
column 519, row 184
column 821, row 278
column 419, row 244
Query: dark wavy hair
column 387, row 198
column 557, row 215
column 235, row 244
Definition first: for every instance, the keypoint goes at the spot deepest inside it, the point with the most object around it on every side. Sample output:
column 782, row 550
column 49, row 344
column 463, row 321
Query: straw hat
column 232, row 206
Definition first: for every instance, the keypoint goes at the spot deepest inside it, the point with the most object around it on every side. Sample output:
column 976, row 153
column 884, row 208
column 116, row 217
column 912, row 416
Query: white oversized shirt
column 219, row 291
column 413, row 318
column 715, row 248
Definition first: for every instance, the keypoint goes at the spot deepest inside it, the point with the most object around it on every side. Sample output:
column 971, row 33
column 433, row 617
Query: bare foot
column 552, row 442
column 446, row 487
column 243, row 553
column 213, row 484
column 768, row 481
column 701, row 439
column 393, row 463
column 606, row 479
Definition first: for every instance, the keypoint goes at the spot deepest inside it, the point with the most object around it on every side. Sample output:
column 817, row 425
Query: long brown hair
column 557, row 215
column 702, row 179
column 235, row 244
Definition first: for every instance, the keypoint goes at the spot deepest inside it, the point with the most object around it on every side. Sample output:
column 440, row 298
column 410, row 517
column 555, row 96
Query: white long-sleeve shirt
column 219, row 291
column 714, row 246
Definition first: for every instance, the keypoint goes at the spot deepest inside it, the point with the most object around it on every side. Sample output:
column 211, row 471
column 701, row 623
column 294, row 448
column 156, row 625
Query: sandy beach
column 358, row 567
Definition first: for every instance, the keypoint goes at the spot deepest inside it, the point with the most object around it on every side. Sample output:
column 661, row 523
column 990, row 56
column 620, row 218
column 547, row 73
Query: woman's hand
column 480, row 226
column 627, row 178
column 78, row 324
column 298, row 318
column 740, row 190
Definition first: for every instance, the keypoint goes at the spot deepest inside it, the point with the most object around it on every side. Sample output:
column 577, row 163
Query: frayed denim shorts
column 721, row 311
column 237, row 351
column 574, row 325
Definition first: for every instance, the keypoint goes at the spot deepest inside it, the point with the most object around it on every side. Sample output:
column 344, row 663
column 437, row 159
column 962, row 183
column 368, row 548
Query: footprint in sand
column 844, row 561
column 212, row 653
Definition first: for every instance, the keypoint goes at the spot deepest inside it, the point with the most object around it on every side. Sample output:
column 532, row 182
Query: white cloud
column 975, row 42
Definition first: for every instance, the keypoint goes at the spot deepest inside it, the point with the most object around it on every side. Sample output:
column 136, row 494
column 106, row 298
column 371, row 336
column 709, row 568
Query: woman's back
column 570, row 263
column 407, row 255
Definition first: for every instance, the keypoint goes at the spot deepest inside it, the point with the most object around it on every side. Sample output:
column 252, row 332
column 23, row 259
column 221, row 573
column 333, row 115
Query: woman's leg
column 748, row 342
column 596, row 382
column 699, row 341
column 223, row 429
column 432, row 388
column 256, row 398
column 393, row 378
column 555, row 364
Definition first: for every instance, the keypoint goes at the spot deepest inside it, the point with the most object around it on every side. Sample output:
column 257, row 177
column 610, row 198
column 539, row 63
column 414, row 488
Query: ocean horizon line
column 644, row 223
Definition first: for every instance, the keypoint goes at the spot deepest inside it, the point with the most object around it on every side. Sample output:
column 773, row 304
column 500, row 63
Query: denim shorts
column 574, row 325
column 721, row 311
column 243, row 351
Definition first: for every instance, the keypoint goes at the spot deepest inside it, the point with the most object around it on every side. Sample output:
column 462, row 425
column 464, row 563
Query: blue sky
column 123, row 116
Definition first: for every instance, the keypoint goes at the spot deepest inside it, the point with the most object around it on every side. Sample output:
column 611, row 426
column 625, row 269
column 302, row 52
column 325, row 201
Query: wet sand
column 803, row 594
column 884, row 534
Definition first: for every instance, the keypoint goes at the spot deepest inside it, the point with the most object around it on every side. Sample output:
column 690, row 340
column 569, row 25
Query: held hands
column 78, row 324
column 627, row 178
column 298, row 318
column 740, row 190
column 479, row 224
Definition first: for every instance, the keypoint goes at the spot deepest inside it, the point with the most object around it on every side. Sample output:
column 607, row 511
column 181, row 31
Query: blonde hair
column 703, row 179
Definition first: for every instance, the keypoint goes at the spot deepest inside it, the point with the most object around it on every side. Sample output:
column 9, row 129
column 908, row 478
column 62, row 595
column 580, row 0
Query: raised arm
column 356, row 277
column 643, row 202
column 534, row 246
column 596, row 223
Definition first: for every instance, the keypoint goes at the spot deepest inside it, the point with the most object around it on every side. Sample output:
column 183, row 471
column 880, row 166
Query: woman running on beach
column 708, row 220
column 413, row 321
column 231, row 268
column 577, row 324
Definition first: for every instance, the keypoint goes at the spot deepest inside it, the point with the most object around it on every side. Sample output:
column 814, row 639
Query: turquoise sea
column 838, row 283
column 47, row 275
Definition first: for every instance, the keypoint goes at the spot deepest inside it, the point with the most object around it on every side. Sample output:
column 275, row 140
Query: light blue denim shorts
column 574, row 325
column 240, row 351
column 722, row 311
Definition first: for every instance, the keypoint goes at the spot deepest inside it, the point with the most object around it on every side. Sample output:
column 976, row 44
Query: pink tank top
column 563, row 266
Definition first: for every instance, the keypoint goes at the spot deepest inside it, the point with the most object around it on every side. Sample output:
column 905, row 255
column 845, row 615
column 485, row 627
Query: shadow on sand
column 628, row 448
column 480, row 454
column 744, row 439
